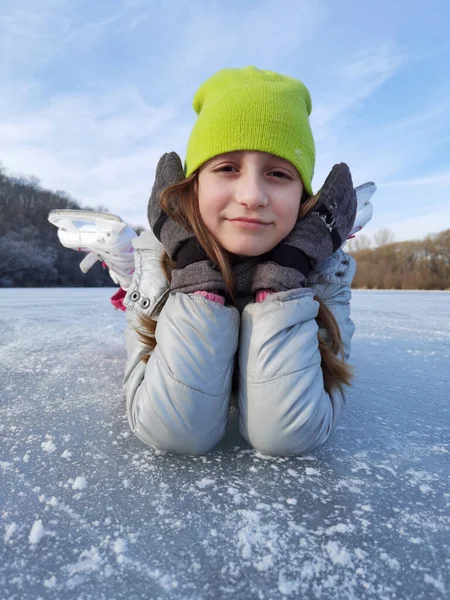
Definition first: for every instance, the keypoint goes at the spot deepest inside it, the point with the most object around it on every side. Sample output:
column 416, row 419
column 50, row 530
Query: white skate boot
column 364, row 212
column 102, row 236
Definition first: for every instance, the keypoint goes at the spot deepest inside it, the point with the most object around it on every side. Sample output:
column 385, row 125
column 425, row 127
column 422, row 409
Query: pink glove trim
column 212, row 297
column 117, row 299
column 261, row 295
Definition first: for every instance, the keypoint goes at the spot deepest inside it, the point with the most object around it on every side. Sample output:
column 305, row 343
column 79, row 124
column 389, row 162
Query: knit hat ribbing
column 251, row 109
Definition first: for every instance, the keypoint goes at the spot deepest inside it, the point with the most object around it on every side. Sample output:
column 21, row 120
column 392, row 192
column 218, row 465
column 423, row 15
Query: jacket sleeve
column 179, row 400
column 284, row 408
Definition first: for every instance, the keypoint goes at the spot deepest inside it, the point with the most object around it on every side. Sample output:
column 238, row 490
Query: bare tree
column 383, row 237
column 360, row 242
column 418, row 264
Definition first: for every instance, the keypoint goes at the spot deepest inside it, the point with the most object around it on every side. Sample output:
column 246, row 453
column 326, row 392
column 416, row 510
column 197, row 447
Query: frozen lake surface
column 89, row 512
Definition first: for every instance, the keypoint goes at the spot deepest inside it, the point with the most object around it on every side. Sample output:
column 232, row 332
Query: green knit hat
column 250, row 109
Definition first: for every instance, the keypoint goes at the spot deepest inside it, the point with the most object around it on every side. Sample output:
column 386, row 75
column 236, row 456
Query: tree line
column 32, row 256
column 411, row 265
column 30, row 253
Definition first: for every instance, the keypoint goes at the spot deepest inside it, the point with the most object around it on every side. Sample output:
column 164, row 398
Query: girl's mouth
column 247, row 223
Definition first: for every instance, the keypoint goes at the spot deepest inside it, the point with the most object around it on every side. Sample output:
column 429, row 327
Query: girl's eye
column 280, row 174
column 232, row 169
column 225, row 169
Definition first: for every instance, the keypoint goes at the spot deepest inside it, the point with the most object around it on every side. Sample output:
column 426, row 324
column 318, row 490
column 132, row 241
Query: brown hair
column 180, row 202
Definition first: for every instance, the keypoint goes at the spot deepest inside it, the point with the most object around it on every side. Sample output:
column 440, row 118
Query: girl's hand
column 313, row 239
column 194, row 270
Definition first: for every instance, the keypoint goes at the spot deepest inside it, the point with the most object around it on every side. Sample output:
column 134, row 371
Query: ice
column 339, row 528
column 48, row 446
column 87, row 511
column 205, row 482
column 437, row 583
column 287, row 587
column 338, row 554
column 9, row 532
column 89, row 560
column 80, row 483
column 119, row 547
column 36, row 533
column 50, row 583
column 393, row 563
column 311, row 471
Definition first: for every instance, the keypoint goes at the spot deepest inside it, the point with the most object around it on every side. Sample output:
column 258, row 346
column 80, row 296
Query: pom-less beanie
column 251, row 109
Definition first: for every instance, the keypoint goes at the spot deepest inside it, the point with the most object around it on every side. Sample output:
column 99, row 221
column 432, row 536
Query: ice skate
column 103, row 236
column 364, row 213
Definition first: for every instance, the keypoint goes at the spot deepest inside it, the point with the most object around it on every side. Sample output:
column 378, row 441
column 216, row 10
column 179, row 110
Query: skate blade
column 363, row 216
column 74, row 220
column 365, row 192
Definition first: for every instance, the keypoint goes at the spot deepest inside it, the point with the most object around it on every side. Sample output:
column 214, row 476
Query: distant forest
column 412, row 265
column 30, row 252
column 32, row 256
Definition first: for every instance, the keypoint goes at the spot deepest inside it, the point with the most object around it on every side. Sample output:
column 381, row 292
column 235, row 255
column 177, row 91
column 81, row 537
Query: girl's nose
column 250, row 191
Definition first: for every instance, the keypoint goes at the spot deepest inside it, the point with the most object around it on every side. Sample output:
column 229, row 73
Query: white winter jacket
column 179, row 401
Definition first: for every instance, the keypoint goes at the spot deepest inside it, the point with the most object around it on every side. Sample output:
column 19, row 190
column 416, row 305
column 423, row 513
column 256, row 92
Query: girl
column 254, row 278
column 240, row 290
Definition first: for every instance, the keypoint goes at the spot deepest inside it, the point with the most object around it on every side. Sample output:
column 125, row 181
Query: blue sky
column 92, row 93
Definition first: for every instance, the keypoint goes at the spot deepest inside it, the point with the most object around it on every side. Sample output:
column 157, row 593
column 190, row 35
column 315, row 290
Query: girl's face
column 249, row 200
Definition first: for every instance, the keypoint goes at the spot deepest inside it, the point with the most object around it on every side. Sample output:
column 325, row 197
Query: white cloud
column 100, row 148
column 443, row 178
column 412, row 208
column 31, row 37
column 353, row 81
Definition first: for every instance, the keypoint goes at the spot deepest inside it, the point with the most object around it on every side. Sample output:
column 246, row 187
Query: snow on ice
column 48, row 446
column 37, row 532
column 9, row 531
column 87, row 511
column 80, row 483
column 50, row 583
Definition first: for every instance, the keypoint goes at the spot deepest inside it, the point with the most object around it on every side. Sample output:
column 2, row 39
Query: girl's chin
column 246, row 250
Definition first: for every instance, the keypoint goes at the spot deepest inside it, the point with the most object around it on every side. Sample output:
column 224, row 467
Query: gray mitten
column 194, row 271
column 314, row 238
column 243, row 271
